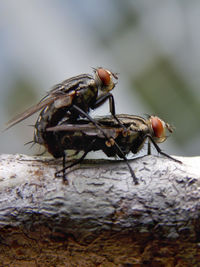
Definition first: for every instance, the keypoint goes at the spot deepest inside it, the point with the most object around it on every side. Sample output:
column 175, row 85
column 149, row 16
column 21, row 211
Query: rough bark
column 100, row 218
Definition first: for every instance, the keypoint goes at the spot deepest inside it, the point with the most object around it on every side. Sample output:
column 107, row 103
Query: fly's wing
column 107, row 123
column 61, row 93
column 126, row 119
column 59, row 100
column 72, row 128
column 29, row 112
column 87, row 129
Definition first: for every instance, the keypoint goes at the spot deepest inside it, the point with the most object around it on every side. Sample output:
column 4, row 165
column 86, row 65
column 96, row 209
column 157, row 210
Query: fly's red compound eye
column 104, row 76
column 157, row 126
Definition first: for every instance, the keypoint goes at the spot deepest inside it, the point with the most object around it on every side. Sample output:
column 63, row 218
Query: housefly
column 71, row 98
column 84, row 136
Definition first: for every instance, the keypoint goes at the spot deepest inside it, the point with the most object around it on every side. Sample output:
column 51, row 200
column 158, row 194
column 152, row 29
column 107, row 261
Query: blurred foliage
column 165, row 91
column 21, row 95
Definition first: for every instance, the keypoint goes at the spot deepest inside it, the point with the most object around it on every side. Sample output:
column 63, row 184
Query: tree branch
column 101, row 216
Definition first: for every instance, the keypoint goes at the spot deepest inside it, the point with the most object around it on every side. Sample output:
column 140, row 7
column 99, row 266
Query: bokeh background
column 153, row 45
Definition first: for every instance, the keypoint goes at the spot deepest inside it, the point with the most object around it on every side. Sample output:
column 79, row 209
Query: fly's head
column 158, row 129
column 104, row 79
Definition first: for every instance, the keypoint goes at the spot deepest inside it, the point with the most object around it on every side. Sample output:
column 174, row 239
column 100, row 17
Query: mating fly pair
column 72, row 99
column 59, row 126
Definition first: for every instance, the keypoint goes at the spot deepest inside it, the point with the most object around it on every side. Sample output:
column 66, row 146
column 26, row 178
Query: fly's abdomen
column 50, row 116
column 42, row 123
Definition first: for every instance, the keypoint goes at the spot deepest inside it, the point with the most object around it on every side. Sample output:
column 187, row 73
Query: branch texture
column 100, row 218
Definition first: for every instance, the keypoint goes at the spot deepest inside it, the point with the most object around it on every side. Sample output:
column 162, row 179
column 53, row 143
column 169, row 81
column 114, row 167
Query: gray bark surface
column 100, row 218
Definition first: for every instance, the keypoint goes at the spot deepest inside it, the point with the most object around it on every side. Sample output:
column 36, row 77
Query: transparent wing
column 59, row 91
column 87, row 129
column 73, row 128
column 29, row 112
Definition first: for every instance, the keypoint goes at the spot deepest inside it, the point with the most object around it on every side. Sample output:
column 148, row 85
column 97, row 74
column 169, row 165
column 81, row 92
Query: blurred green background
column 153, row 45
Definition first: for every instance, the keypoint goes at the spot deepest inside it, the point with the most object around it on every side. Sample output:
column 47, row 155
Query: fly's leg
column 106, row 137
column 149, row 148
column 129, row 166
column 64, row 167
column 91, row 119
column 73, row 163
column 160, row 151
column 102, row 99
column 85, row 154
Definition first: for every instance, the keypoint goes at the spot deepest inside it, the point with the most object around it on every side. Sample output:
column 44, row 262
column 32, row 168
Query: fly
column 71, row 98
column 84, row 136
